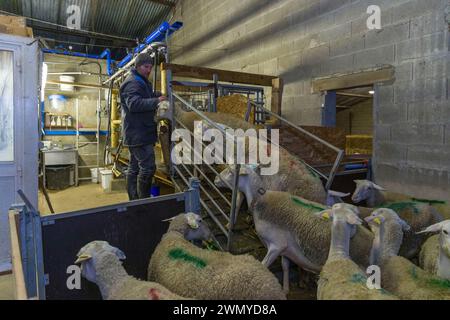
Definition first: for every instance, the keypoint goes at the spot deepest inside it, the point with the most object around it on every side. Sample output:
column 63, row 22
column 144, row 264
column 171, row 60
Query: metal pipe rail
column 231, row 218
column 340, row 152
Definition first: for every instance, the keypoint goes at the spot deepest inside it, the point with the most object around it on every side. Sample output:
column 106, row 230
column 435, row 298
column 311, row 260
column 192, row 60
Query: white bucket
column 66, row 87
column 107, row 177
column 94, row 175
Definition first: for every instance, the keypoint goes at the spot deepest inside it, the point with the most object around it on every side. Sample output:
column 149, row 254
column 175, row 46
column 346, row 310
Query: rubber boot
column 143, row 187
column 132, row 187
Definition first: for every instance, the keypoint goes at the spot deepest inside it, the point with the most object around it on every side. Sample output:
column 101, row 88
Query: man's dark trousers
column 140, row 171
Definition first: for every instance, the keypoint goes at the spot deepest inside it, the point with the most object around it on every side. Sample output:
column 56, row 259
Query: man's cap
column 143, row 58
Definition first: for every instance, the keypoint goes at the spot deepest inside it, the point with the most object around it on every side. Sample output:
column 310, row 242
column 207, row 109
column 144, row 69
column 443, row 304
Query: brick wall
column 300, row 40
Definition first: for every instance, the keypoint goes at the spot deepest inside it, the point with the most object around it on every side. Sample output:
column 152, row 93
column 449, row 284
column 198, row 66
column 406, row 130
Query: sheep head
column 246, row 174
column 444, row 234
column 88, row 255
column 364, row 190
column 380, row 216
column 164, row 111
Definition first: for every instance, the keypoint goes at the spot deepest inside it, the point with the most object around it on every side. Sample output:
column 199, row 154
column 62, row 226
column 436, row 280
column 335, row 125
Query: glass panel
column 6, row 106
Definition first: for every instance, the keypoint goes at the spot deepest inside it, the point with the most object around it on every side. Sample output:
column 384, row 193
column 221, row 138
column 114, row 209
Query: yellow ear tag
column 326, row 215
column 377, row 221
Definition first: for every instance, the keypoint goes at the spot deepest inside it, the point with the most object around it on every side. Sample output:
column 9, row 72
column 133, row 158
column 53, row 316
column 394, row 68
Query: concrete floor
column 85, row 196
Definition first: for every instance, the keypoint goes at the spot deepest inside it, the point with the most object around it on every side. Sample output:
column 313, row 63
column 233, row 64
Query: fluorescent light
column 371, row 92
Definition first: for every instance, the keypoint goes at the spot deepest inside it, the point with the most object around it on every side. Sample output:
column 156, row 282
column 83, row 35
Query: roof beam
column 224, row 75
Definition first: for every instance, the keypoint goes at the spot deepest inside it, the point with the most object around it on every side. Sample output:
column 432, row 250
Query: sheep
column 287, row 226
column 341, row 278
column 101, row 264
column 399, row 275
column 435, row 253
column 209, row 275
column 418, row 215
column 293, row 174
column 377, row 196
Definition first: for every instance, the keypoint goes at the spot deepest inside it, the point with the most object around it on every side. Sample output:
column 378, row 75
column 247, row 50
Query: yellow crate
column 359, row 144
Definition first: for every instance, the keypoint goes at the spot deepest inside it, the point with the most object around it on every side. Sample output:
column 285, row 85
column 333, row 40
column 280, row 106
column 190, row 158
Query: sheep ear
column 374, row 185
column 338, row 194
column 119, row 253
column 434, row 228
column 82, row 258
column 168, row 220
column 353, row 219
column 325, row 214
column 405, row 225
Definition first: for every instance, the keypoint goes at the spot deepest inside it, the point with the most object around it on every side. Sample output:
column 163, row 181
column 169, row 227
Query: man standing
column 139, row 104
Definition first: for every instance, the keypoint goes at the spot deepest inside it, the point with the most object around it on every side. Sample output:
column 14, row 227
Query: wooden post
column 115, row 117
column 16, row 257
column 163, row 80
column 277, row 97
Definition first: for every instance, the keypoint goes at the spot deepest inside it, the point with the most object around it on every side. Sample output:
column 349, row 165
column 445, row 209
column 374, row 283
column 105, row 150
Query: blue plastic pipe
column 157, row 35
column 106, row 53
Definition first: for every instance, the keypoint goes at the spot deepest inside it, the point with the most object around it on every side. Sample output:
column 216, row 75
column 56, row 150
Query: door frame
column 24, row 167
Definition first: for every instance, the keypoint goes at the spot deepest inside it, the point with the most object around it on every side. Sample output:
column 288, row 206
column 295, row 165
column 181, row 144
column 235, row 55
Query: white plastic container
column 66, row 87
column 107, row 177
column 94, row 175
column 57, row 101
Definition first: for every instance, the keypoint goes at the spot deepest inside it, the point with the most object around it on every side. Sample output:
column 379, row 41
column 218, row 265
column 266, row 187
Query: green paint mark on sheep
column 180, row 254
column 307, row 205
column 440, row 283
column 400, row 206
column 430, row 202
column 358, row 278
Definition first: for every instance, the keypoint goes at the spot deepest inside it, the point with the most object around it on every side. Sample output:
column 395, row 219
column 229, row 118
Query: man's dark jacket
column 139, row 104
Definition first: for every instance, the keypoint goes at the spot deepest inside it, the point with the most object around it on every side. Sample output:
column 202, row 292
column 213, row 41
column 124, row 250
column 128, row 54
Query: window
column 6, row 106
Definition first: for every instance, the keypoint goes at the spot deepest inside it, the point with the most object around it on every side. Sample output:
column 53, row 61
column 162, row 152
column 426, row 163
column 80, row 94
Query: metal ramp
column 220, row 206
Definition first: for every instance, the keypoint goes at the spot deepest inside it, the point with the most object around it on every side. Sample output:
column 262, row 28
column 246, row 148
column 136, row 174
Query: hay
column 236, row 105
column 359, row 144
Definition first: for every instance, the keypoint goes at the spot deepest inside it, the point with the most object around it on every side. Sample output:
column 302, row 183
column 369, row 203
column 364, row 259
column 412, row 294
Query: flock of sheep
column 296, row 221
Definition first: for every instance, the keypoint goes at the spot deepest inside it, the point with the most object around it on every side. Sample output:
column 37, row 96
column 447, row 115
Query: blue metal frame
column 72, row 132
column 157, row 35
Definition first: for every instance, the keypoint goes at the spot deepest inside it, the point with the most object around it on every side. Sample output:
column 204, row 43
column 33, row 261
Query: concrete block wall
column 300, row 40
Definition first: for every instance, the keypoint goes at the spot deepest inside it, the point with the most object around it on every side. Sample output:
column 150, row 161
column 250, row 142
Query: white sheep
column 418, row 215
column 435, row 253
column 101, row 264
column 209, row 275
column 377, row 196
column 287, row 227
column 293, row 175
column 341, row 278
column 399, row 275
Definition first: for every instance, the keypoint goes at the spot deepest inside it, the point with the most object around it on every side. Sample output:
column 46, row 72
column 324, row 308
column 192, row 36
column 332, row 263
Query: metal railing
column 340, row 152
column 185, row 173
column 213, row 208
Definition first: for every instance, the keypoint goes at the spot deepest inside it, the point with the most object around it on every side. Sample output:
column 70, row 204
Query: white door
column 19, row 134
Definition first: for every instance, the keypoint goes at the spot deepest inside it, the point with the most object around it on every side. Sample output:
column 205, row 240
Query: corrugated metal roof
column 123, row 18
